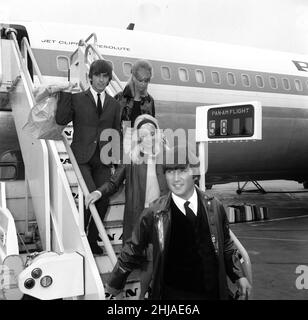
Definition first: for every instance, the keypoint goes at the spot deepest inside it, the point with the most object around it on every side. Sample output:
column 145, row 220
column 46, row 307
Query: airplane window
column 200, row 76
column 260, row 82
column 127, row 68
column 215, row 77
column 231, row 78
column 246, row 80
column 165, row 73
column 298, row 85
column 63, row 63
column 286, row 84
column 273, row 82
column 183, row 74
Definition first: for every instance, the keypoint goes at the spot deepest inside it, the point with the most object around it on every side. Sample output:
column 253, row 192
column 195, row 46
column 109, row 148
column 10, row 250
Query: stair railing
column 97, row 53
column 92, row 207
column 11, row 34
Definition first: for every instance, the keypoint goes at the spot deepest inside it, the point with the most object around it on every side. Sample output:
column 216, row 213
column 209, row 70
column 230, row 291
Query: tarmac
column 276, row 246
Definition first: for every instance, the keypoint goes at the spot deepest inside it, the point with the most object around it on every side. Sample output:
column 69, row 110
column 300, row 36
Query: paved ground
column 276, row 246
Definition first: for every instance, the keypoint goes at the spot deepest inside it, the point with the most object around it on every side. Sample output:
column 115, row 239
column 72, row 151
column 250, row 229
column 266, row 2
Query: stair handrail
column 245, row 256
column 25, row 50
column 84, row 42
column 92, row 207
column 12, row 33
column 114, row 76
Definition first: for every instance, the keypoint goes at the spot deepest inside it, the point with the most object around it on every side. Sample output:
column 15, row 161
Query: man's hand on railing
column 92, row 197
column 244, row 288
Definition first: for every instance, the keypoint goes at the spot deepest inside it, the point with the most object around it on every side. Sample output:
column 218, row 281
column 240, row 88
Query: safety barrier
column 246, row 213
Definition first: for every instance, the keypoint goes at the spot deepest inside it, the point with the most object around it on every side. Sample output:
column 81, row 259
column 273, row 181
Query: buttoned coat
column 135, row 177
column 82, row 110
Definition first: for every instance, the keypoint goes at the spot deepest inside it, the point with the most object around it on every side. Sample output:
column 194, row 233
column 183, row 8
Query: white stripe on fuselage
column 170, row 93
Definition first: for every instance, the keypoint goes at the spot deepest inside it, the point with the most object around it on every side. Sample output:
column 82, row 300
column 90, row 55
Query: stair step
column 114, row 213
column 134, row 276
column 74, row 185
column 64, row 158
column 76, row 200
column 118, row 197
column 60, row 146
column 103, row 263
column 71, row 177
column 114, row 231
column 131, row 290
column 68, row 131
column 67, row 166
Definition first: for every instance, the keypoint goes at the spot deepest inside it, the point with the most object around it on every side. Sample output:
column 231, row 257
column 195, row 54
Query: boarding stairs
column 54, row 179
column 58, row 218
column 55, row 182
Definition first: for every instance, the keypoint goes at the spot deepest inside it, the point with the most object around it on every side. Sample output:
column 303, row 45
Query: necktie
column 99, row 105
column 189, row 213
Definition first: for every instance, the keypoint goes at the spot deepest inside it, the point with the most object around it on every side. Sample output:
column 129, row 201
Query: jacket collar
column 165, row 201
column 127, row 93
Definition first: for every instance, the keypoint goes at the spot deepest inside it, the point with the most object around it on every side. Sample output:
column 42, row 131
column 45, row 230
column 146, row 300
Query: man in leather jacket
column 192, row 250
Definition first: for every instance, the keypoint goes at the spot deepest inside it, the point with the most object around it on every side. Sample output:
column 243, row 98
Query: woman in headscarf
column 144, row 180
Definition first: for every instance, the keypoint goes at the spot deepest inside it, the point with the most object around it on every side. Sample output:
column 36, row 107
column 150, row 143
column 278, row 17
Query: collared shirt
column 94, row 94
column 193, row 202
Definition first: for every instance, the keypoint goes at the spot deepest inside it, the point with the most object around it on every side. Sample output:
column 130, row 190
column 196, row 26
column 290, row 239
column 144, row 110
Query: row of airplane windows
column 246, row 80
column 216, row 78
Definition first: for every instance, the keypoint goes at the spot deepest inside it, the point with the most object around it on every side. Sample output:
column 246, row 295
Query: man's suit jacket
column 82, row 110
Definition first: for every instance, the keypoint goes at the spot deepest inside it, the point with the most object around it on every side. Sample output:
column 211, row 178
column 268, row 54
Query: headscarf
column 133, row 143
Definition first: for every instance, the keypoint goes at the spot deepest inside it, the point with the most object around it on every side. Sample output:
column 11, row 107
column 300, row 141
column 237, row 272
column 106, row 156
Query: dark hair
column 181, row 157
column 100, row 66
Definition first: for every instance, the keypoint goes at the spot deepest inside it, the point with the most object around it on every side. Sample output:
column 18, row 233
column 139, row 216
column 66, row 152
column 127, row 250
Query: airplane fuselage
column 188, row 73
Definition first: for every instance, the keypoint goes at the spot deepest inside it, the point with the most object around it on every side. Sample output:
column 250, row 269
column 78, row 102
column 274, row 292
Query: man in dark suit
column 92, row 112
